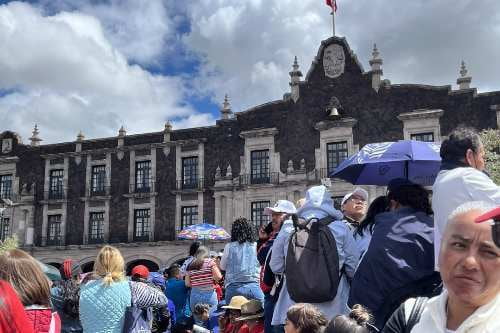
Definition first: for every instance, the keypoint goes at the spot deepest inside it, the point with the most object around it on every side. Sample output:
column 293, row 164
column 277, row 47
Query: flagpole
column 333, row 21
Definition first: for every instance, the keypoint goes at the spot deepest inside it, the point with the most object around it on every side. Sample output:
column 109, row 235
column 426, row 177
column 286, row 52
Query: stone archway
column 151, row 265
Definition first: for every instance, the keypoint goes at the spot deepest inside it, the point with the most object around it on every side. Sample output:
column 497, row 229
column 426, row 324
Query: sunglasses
column 495, row 232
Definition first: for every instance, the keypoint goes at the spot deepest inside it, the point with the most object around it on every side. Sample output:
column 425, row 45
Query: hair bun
column 360, row 314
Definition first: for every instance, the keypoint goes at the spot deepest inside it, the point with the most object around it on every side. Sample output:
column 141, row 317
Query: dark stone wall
column 376, row 113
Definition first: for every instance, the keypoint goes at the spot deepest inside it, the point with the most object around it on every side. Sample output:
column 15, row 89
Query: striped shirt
column 203, row 277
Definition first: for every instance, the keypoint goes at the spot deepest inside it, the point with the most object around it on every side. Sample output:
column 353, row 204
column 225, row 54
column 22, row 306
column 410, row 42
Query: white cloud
column 67, row 76
column 248, row 46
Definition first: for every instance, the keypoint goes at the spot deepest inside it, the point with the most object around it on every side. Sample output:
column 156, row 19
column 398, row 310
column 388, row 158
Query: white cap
column 357, row 191
column 281, row 206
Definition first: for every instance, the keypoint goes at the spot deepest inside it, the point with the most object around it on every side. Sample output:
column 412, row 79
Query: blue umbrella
column 379, row 163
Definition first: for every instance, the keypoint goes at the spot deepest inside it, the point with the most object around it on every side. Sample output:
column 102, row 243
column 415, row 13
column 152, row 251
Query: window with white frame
column 56, row 184
column 5, row 186
column 257, row 213
column 143, row 176
column 189, row 216
column 336, row 153
column 4, row 228
column 54, row 235
column 96, row 227
column 259, row 166
column 141, row 224
column 98, row 179
column 190, row 172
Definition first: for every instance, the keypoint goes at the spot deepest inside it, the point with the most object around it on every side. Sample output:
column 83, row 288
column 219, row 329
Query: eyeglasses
column 357, row 199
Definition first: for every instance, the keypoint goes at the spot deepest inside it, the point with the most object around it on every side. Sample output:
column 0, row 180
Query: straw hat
column 236, row 303
column 251, row 310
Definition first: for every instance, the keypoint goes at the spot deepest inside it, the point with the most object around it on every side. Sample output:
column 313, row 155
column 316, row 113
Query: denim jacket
column 240, row 263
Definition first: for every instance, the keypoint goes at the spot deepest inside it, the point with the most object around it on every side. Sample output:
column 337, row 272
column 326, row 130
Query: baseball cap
column 357, row 191
column 493, row 214
column 141, row 271
column 281, row 206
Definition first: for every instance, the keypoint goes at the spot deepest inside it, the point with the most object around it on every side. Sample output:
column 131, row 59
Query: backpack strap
column 415, row 313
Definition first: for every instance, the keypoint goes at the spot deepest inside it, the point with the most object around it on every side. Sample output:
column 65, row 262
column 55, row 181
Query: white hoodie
column 485, row 319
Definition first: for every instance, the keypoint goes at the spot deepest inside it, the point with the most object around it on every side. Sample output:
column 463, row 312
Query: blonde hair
column 109, row 265
column 25, row 274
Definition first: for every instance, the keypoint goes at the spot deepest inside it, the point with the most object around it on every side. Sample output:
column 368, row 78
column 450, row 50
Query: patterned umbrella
column 203, row 231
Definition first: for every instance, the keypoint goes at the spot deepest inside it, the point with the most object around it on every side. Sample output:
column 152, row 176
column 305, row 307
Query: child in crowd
column 358, row 321
column 305, row 318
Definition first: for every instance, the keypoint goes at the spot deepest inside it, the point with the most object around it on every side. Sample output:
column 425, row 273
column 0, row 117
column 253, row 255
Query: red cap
column 141, row 270
column 493, row 214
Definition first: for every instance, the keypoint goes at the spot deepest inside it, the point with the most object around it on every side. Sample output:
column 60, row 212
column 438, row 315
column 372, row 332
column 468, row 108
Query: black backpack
column 312, row 262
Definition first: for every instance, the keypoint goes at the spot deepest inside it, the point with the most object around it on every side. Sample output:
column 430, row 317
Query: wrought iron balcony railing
column 56, row 194
column 143, row 186
column 53, row 241
column 99, row 191
column 253, row 179
column 190, row 184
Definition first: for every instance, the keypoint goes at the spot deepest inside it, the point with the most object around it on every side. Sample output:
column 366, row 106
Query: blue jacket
column 401, row 251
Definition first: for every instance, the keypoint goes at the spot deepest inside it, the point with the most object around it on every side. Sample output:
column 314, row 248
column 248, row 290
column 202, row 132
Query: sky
column 94, row 66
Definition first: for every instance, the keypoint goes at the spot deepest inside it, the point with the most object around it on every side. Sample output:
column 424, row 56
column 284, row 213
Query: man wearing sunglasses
column 353, row 207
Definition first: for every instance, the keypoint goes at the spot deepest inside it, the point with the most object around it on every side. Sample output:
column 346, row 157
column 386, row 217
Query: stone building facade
column 137, row 191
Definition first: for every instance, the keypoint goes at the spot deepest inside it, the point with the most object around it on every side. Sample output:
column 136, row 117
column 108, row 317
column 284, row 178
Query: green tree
column 9, row 243
column 491, row 142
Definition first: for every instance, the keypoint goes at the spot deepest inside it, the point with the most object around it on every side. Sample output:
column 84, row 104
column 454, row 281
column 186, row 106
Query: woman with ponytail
column 358, row 321
column 304, row 318
column 103, row 302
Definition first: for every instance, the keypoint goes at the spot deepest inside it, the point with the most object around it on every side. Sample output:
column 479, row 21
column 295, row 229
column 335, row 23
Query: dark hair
column 173, row 270
column 414, row 196
column 70, row 292
column 200, row 256
column 194, row 247
column 183, row 325
column 358, row 321
column 242, row 231
column 306, row 318
column 379, row 205
column 454, row 148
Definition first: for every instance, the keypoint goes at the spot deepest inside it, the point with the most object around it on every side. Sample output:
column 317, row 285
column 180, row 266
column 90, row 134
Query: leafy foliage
column 8, row 244
column 491, row 142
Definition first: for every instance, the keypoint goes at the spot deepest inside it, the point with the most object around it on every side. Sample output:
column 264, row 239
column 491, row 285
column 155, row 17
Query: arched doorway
column 151, row 265
column 88, row 267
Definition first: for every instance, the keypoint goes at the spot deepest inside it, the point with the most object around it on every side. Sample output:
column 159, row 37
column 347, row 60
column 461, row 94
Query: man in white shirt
column 461, row 179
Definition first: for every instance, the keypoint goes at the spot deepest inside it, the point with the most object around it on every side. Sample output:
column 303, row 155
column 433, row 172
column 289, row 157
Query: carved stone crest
column 334, row 60
column 6, row 145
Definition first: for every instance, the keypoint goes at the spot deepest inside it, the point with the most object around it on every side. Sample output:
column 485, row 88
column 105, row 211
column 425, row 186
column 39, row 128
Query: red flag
column 332, row 4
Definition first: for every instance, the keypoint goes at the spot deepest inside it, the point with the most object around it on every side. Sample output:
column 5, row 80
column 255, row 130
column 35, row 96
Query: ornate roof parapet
column 78, row 148
column 225, row 111
column 376, row 65
column 463, row 81
column 229, row 171
column 166, row 131
column 295, row 76
column 35, row 139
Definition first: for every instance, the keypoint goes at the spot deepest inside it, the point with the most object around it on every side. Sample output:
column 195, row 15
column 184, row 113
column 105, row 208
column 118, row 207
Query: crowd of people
column 406, row 262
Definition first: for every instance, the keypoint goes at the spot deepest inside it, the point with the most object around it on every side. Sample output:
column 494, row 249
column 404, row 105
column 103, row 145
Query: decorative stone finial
column 35, row 139
column 376, row 65
column 302, row 164
column 168, row 126
column 463, row 81
column 122, row 132
column 229, row 171
column 80, row 137
column 295, row 76
column 375, row 52
column 290, row 167
column 226, row 108
column 217, row 173
column 463, row 69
